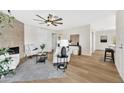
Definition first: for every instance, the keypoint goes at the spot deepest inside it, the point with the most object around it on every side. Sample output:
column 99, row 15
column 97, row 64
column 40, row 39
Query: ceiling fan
column 50, row 20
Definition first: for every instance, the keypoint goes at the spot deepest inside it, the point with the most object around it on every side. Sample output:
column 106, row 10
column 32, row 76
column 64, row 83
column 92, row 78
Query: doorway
column 54, row 41
column 74, row 39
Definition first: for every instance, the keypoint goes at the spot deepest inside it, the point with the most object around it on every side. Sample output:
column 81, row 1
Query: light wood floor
column 83, row 69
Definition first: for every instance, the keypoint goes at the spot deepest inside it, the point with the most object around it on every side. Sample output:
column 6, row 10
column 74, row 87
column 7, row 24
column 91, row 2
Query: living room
column 31, row 32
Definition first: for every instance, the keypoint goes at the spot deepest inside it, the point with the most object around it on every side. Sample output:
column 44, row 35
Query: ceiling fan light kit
column 51, row 20
column 48, row 23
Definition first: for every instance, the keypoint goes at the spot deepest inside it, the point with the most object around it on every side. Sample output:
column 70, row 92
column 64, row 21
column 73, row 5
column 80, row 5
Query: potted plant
column 6, row 19
column 5, row 60
column 42, row 48
column 42, row 58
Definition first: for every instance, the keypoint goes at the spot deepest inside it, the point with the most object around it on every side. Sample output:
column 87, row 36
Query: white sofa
column 32, row 49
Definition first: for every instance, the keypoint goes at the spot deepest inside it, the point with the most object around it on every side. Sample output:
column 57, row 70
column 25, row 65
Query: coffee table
column 41, row 57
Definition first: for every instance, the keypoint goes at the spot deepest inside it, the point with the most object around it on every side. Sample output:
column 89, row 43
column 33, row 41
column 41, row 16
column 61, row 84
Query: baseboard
column 122, row 77
column 100, row 50
column 86, row 54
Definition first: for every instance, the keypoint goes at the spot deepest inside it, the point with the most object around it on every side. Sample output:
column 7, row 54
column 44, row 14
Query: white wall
column 54, row 41
column 37, row 35
column 119, row 59
column 84, row 40
column 105, row 23
column 110, row 36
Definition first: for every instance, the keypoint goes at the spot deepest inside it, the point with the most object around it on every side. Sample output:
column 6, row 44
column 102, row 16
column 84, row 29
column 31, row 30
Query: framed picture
column 103, row 39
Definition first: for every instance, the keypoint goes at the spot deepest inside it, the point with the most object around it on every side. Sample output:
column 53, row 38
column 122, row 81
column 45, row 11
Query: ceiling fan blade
column 56, row 17
column 59, row 19
column 58, row 23
column 41, row 17
column 41, row 23
column 54, row 24
column 37, row 20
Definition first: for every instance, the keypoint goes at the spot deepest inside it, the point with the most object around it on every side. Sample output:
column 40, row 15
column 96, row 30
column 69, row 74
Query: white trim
column 122, row 77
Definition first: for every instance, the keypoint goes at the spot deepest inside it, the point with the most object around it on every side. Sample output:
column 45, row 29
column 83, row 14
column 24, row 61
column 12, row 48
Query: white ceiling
column 71, row 18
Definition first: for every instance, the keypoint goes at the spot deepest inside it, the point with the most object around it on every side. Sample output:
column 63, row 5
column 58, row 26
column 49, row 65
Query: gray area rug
column 29, row 71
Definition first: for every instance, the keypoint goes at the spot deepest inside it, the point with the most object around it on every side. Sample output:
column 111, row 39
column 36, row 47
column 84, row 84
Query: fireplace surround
column 13, row 38
column 13, row 50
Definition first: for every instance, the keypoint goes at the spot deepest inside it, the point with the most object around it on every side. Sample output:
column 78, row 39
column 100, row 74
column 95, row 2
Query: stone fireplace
column 13, row 38
column 14, row 50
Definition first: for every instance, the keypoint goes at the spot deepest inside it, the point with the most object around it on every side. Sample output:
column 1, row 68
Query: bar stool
column 106, row 56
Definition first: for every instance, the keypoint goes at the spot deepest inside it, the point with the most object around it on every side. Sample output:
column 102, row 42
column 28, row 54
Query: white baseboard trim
column 122, row 76
column 87, row 54
column 119, row 72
